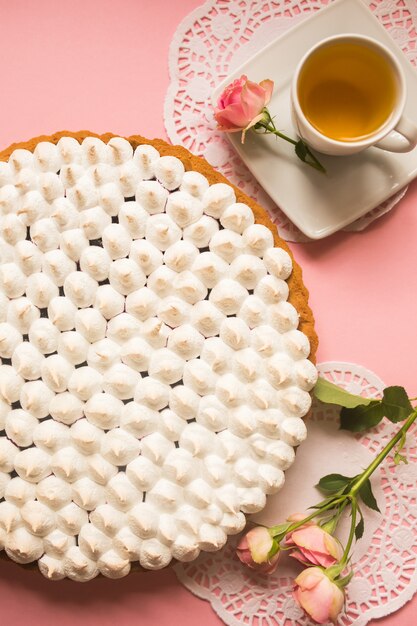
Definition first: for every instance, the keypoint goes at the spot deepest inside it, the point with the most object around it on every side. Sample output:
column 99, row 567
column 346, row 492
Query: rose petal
column 245, row 557
column 271, row 565
column 253, row 99
column 333, row 546
column 309, row 578
column 321, row 602
column 255, row 120
column 310, row 556
column 299, row 556
column 260, row 543
column 229, row 130
column 318, row 595
column 243, row 543
column 268, row 86
column 316, row 540
column 231, row 93
column 232, row 117
column 234, row 97
column 317, row 608
column 297, row 517
column 316, row 558
column 266, row 568
column 337, row 604
column 325, row 560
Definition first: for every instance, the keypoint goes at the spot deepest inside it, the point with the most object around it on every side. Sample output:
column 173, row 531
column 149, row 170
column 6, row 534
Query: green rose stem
column 277, row 531
column 302, row 150
column 343, row 561
column 339, row 502
column 381, row 456
column 352, row 494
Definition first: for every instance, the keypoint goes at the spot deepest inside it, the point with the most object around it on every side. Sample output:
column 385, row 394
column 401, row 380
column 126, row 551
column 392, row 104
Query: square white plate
column 318, row 204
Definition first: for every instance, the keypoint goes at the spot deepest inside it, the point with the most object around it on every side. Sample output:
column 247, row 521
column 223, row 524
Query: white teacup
column 349, row 93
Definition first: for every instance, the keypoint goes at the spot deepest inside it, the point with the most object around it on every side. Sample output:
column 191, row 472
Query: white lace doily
column 218, row 37
column 384, row 559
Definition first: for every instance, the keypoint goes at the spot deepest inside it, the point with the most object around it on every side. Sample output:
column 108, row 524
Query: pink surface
column 103, row 66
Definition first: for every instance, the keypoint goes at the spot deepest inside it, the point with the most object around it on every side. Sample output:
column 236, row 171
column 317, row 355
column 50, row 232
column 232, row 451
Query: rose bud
column 313, row 545
column 319, row 596
column 255, row 548
column 241, row 105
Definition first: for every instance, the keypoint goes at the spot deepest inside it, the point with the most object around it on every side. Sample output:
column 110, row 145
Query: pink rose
column 319, row 596
column 314, row 546
column 254, row 549
column 241, row 105
column 298, row 517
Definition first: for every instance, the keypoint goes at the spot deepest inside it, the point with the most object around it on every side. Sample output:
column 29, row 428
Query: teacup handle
column 402, row 138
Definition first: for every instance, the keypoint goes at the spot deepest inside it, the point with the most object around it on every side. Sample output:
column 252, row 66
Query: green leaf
column 396, row 404
column 360, row 413
column 273, row 550
column 304, row 153
column 368, row 497
column 400, row 458
column 301, row 150
column 333, row 394
column 332, row 499
column 360, row 527
column 332, row 483
column 362, row 417
column 346, row 579
column 279, row 529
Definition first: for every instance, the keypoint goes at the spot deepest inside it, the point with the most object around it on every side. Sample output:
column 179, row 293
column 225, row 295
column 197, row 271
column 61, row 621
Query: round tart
column 156, row 350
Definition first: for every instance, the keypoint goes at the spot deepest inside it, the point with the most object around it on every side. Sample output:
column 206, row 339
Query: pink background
column 102, row 66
